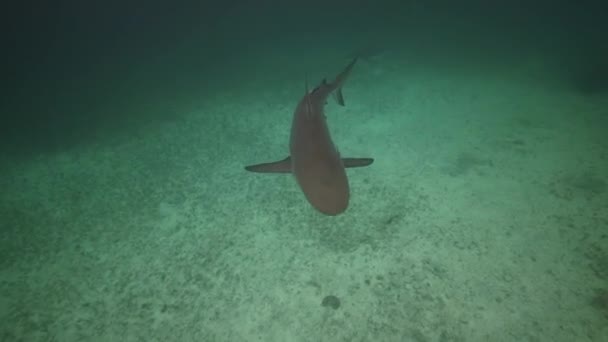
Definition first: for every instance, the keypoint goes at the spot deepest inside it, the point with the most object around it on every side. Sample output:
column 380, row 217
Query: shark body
column 314, row 159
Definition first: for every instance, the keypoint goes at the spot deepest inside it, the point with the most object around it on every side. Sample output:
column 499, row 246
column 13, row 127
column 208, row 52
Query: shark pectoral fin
column 281, row 166
column 339, row 97
column 357, row 162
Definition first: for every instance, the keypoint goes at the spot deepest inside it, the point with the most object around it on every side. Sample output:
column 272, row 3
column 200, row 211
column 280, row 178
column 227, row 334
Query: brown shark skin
column 316, row 163
column 315, row 160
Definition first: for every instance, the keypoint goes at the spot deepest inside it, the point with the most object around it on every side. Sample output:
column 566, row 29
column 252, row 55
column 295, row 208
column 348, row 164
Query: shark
column 314, row 159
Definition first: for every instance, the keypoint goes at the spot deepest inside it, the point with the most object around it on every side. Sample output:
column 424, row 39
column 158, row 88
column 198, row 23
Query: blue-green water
column 126, row 214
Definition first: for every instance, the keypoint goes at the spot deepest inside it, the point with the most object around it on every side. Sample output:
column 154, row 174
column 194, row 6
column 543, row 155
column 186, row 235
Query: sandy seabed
column 483, row 218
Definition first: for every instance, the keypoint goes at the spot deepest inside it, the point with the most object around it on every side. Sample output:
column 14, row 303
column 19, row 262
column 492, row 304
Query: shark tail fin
column 339, row 82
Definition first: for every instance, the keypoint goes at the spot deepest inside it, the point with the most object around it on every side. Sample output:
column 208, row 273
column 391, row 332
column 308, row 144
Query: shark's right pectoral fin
column 357, row 162
column 281, row 166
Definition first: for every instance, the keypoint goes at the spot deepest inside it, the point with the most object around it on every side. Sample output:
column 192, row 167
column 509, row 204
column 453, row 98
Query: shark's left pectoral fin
column 281, row 166
column 357, row 162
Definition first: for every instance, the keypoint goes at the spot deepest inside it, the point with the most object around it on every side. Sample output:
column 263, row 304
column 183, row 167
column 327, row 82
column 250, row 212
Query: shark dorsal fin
column 307, row 96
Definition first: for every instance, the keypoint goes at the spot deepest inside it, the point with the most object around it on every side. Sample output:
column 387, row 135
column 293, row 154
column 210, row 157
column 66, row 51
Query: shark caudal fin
column 336, row 85
column 281, row 166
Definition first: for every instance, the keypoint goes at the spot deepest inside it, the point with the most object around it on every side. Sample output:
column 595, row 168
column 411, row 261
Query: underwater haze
column 126, row 213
